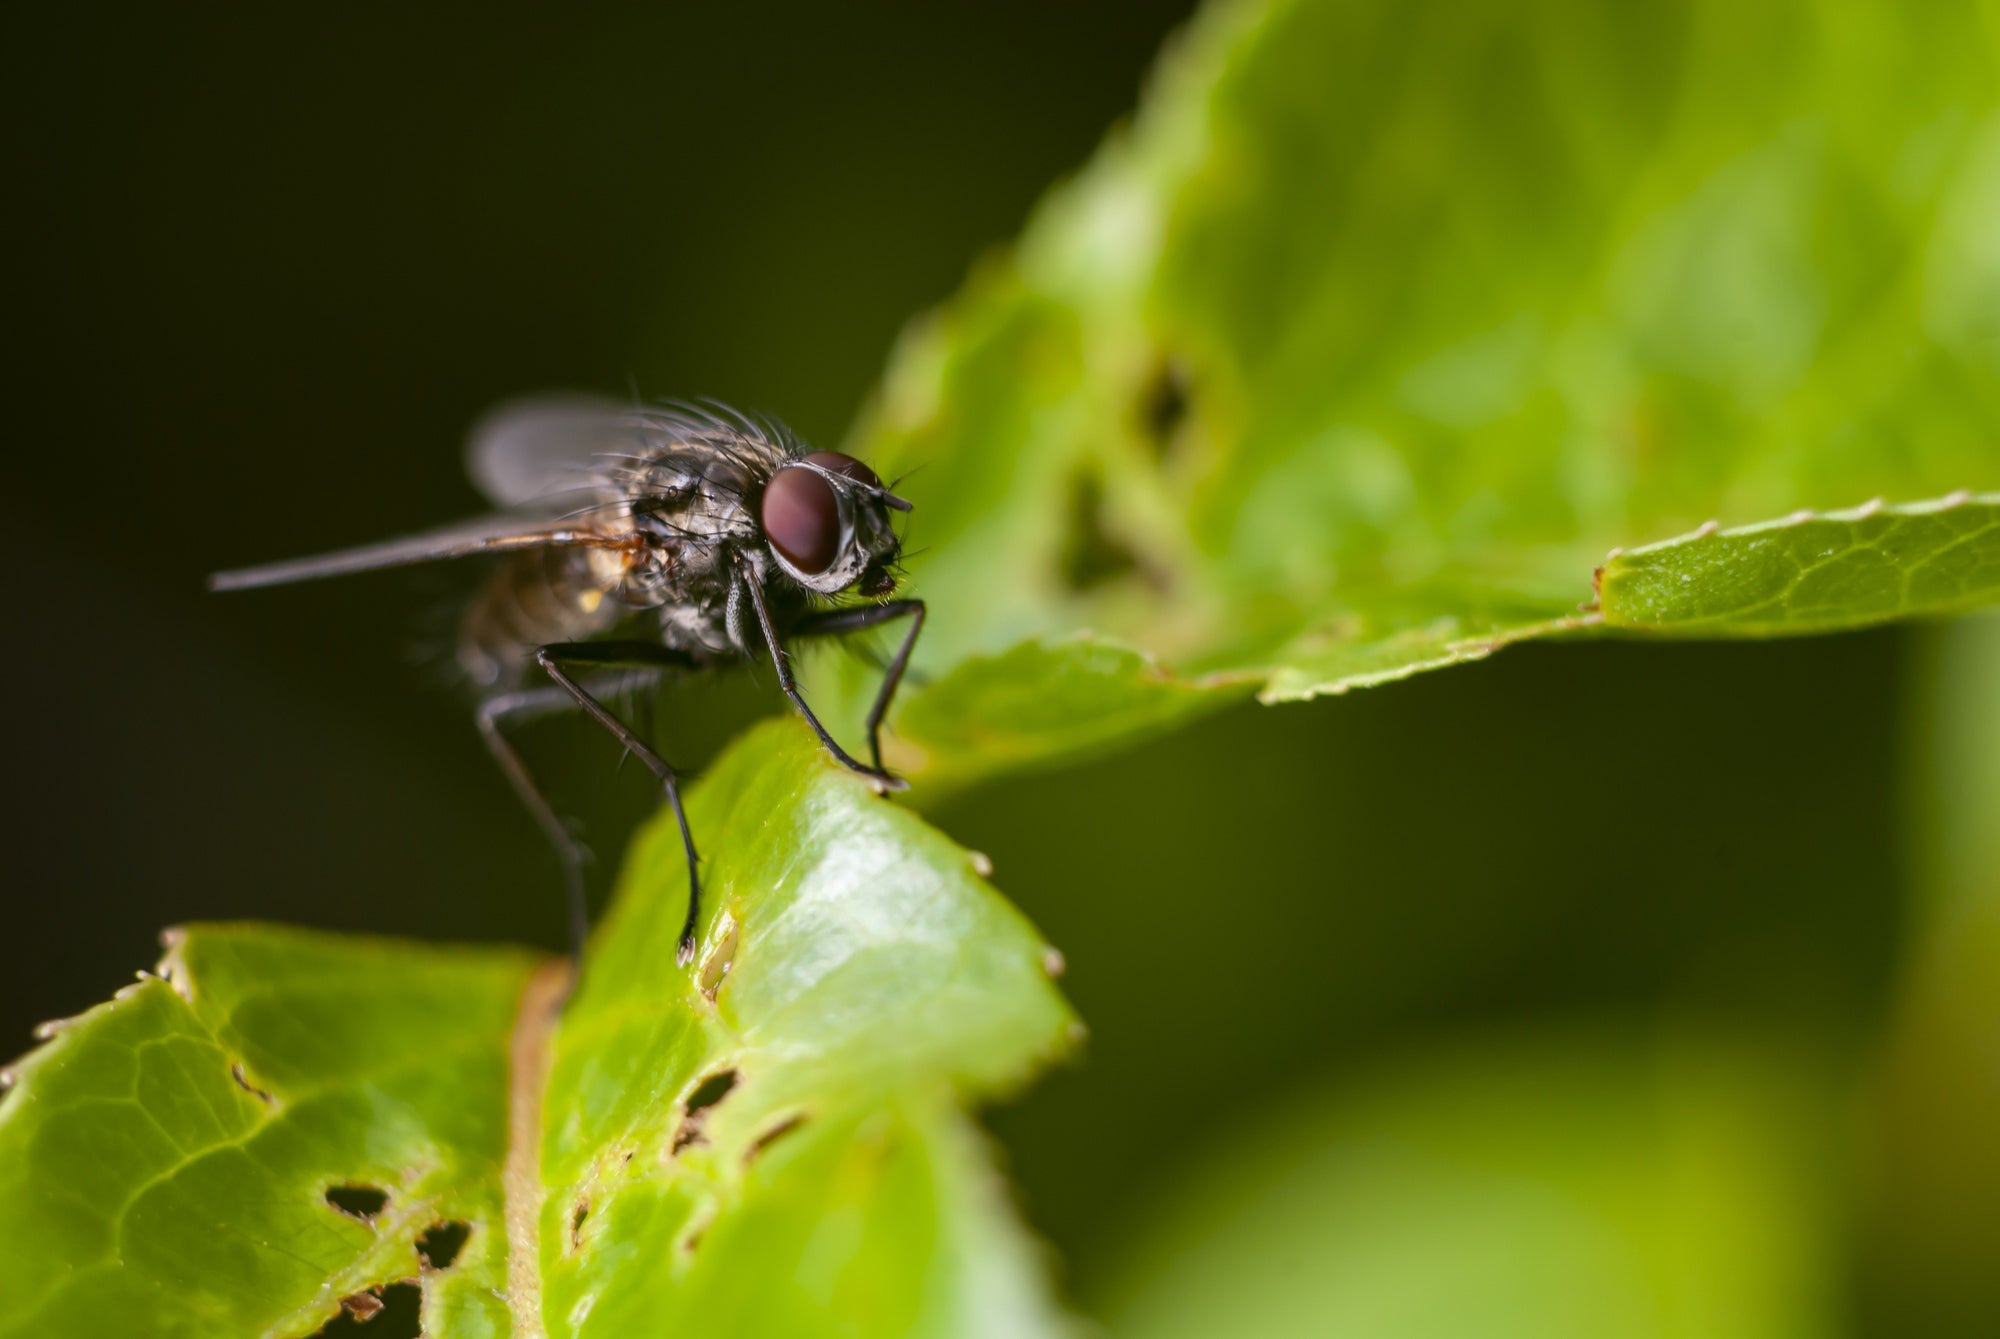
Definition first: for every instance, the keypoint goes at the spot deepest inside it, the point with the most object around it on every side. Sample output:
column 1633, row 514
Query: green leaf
column 165, row 1160
column 1812, row 571
column 856, row 976
column 1385, row 323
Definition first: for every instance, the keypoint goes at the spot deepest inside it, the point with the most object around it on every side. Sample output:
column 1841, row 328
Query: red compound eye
column 802, row 518
column 802, row 515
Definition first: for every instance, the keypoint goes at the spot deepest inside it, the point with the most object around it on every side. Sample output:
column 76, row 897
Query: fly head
column 827, row 520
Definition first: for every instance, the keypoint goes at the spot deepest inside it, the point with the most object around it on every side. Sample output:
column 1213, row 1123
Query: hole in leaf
column 362, row 1202
column 1162, row 404
column 391, row 1312
column 243, row 1081
column 576, row 1217
column 774, row 1134
column 700, row 1102
column 1091, row 556
column 440, row 1245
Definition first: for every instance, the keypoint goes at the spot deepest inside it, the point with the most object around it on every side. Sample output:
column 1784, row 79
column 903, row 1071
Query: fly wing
column 550, row 448
column 487, row 534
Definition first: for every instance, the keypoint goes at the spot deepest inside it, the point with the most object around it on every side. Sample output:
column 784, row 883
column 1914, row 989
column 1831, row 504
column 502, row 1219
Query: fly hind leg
column 527, row 704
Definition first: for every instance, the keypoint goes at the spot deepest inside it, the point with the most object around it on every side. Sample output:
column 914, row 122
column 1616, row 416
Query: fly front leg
column 781, row 662
column 836, row 621
column 551, row 659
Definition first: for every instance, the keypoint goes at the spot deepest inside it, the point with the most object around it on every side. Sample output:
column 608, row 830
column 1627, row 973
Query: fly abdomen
column 536, row 598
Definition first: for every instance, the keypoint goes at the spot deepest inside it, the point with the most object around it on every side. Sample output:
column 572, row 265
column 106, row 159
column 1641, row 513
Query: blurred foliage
column 1357, row 354
column 1930, row 1256
column 1384, row 324
column 1610, row 1186
column 1753, row 1159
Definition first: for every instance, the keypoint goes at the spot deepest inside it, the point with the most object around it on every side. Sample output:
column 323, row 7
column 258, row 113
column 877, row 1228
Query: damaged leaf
column 1383, row 324
column 283, row 1124
column 788, row 1155
column 262, row 1132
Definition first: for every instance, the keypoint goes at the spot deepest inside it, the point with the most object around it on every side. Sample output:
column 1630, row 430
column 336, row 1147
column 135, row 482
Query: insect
column 661, row 539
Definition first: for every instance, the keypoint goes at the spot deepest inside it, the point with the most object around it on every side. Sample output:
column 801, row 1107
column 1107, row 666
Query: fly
column 673, row 538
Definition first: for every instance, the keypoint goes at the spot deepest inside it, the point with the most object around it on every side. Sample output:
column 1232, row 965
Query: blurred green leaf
column 1932, row 1259
column 1540, row 1186
column 165, row 1159
column 1384, row 324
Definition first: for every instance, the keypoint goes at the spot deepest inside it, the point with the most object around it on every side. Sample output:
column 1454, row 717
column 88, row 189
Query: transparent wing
column 549, row 447
column 486, row 534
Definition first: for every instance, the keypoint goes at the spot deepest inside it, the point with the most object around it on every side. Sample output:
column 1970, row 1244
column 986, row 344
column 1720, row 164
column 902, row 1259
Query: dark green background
column 267, row 266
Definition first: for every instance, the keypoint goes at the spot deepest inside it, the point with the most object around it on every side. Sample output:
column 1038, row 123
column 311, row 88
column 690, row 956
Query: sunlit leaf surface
column 770, row 1134
column 1813, row 570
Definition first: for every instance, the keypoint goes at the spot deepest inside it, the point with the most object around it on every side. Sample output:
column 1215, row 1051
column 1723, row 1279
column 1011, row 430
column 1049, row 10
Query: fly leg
column 527, row 704
column 780, row 660
column 551, row 658
column 836, row 621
